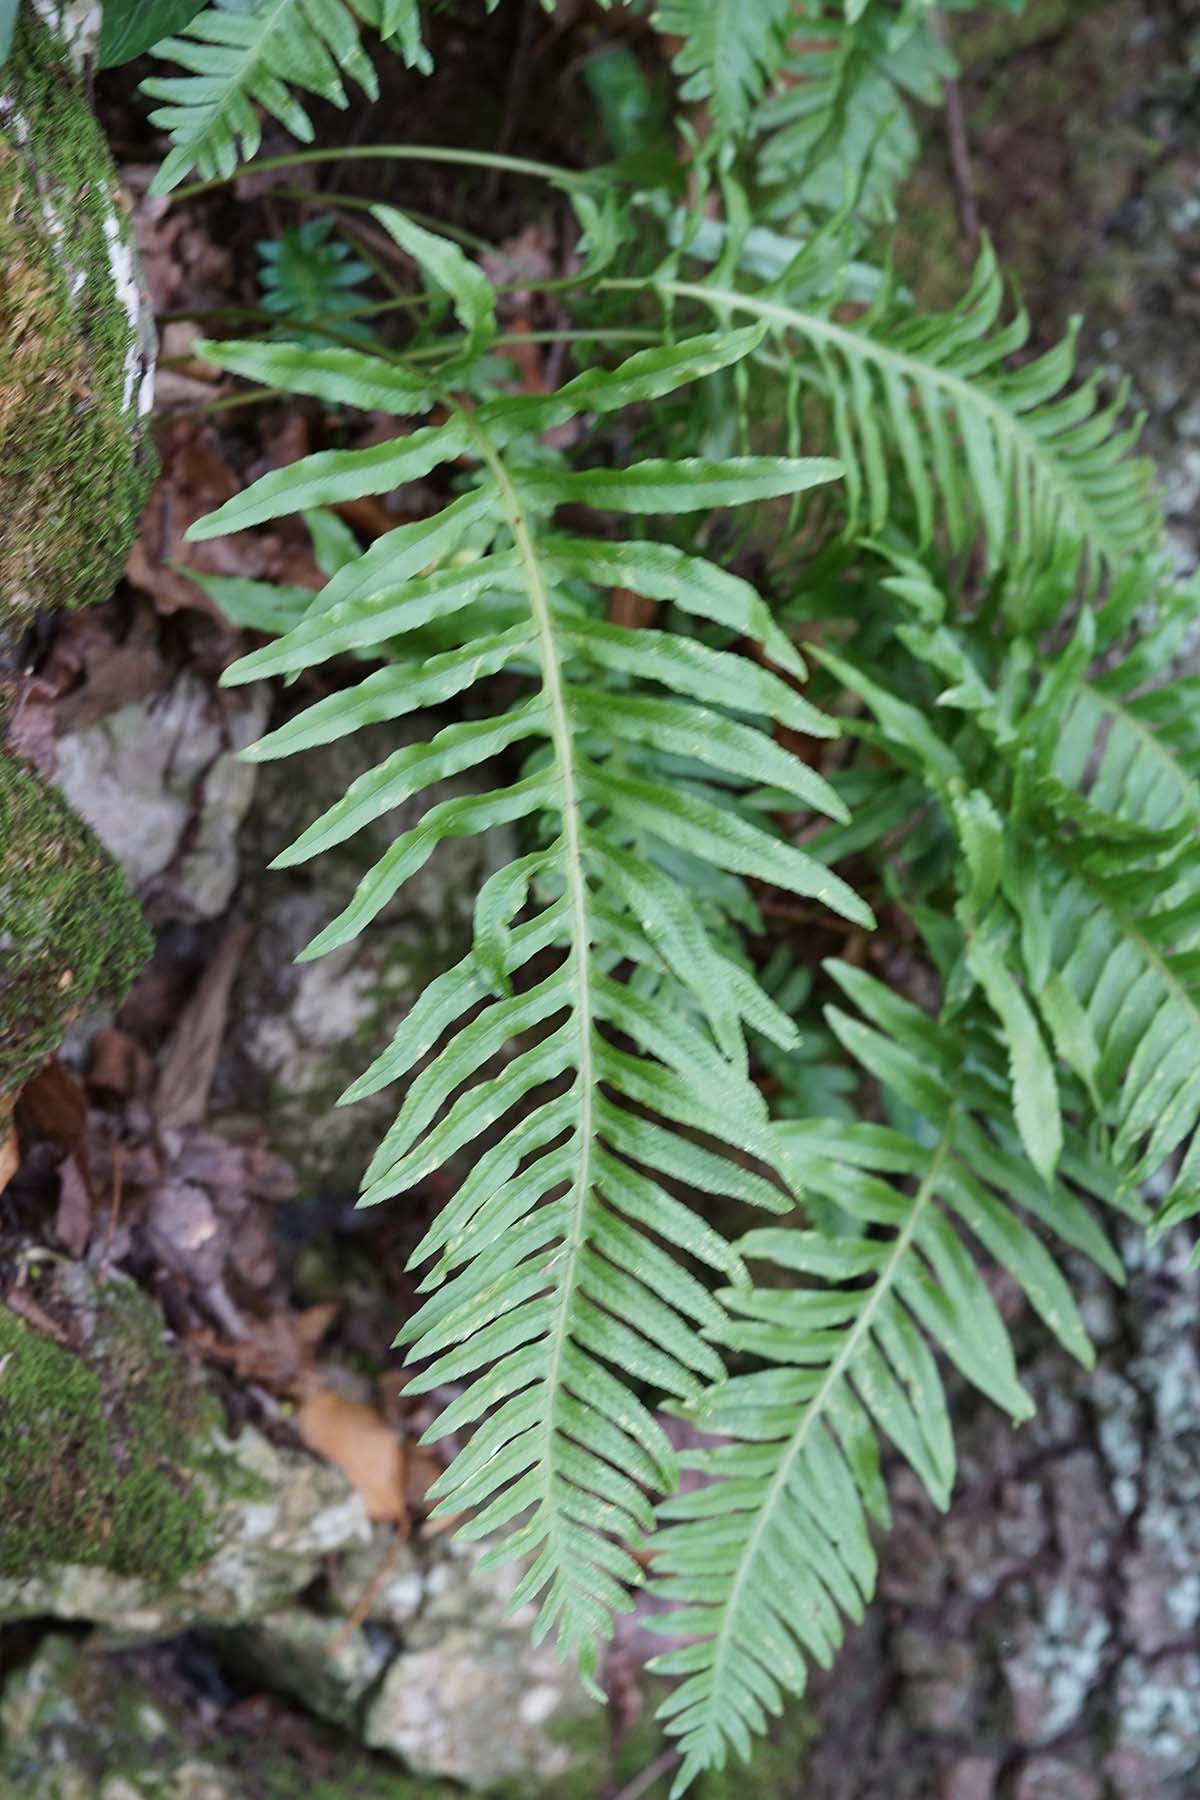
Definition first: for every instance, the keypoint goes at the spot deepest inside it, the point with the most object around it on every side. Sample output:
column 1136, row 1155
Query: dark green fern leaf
column 550, row 1299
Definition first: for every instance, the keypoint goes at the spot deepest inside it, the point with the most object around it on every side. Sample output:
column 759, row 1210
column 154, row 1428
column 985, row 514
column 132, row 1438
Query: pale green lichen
column 74, row 466
column 71, row 935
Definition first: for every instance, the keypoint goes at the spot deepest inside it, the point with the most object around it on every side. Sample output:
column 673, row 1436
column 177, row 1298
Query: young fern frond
column 925, row 412
column 841, row 109
column 764, row 1559
column 1067, row 793
column 551, row 1296
column 731, row 50
column 238, row 60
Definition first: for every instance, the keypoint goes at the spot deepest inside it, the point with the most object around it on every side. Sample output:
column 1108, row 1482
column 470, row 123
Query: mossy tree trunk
column 76, row 368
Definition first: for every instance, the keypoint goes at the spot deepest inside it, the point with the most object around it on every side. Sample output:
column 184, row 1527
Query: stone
column 301, row 1032
column 159, row 782
column 75, row 1725
column 306, row 1656
column 228, row 1529
column 397, row 1600
column 474, row 1707
column 1052, row 1778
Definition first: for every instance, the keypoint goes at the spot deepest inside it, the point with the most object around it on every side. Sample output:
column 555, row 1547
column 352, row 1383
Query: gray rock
column 302, row 1032
column 72, row 1728
column 160, row 784
column 299, row 1653
column 475, row 1707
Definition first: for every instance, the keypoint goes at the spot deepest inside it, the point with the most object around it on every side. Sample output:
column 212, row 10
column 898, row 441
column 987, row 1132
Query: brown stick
column 370, row 1594
column 960, row 152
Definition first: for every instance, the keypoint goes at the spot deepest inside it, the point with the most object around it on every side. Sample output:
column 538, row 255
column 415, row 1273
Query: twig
column 960, row 154
column 370, row 1594
column 641, row 1784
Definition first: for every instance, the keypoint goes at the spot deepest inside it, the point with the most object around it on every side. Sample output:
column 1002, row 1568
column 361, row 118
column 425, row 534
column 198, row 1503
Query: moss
column 71, row 934
column 100, row 1457
column 73, row 469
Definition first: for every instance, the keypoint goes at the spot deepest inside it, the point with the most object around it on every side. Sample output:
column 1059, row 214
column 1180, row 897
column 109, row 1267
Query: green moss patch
column 100, row 1455
column 71, row 934
column 73, row 468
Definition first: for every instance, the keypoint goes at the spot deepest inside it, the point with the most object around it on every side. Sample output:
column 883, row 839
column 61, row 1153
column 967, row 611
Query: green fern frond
column 764, row 1560
column 926, row 411
column 239, row 60
column 1065, row 810
column 312, row 279
column 594, row 1095
column 731, row 49
column 842, row 107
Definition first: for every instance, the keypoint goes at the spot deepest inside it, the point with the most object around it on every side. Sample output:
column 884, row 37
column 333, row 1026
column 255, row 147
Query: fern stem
column 813, row 1410
column 473, row 159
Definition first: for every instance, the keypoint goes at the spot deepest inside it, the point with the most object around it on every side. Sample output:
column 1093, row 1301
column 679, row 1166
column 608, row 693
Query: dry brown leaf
column 190, row 1057
column 73, row 1219
column 366, row 1449
column 55, row 1105
column 115, row 1063
column 10, row 1155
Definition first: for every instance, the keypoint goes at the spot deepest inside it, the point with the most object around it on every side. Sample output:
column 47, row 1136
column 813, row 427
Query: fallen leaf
column 354, row 1437
column 10, row 1155
column 190, row 1057
column 73, row 1219
column 185, row 1234
column 115, row 1063
column 55, row 1105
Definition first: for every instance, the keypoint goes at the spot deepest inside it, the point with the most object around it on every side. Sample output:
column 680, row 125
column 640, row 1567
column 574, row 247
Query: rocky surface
column 160, row 783
column 301, row 1032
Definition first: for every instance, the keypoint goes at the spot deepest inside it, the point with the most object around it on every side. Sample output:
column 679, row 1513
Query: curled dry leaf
column 363, row 1446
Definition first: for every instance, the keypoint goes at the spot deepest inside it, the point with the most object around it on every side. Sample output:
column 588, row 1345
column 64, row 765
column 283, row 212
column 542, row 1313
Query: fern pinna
column 552, row 1292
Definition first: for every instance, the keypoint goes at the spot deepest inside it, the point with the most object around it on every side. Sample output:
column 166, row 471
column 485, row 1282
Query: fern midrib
column 563, row 744
column 851, row 343
column 816, row 1406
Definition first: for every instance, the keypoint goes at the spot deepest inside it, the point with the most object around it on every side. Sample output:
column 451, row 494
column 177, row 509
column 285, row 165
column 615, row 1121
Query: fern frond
column 551, row 1296
column 1067, row 807
column 841, row 107
column 765, row 1558
column 927, row 409
column 238, row 60
column 731, row 49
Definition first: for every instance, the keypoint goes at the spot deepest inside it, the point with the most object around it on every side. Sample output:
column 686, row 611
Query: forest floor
column 1042, row 1643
